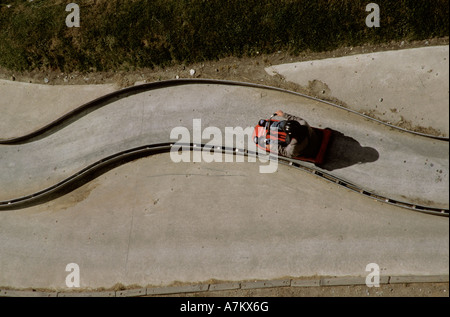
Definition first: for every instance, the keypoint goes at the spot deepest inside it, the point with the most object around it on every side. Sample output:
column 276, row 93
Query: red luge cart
column 262, row 136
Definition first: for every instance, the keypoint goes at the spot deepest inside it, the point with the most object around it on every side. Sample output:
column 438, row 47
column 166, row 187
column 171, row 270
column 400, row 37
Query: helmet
column 292, row 127
column 295, row 130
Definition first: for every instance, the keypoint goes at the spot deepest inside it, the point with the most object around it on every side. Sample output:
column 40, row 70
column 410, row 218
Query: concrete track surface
column 21, row 104
column 155, row 222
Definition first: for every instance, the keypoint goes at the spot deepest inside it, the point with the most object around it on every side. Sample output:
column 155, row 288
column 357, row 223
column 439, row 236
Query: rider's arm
column 285, row 150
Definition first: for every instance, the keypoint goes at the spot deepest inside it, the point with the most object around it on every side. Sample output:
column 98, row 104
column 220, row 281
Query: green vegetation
column 121, row 35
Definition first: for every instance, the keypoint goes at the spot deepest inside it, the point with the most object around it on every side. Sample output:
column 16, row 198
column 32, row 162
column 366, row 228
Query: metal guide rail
column 102, row 166
column 129, row 91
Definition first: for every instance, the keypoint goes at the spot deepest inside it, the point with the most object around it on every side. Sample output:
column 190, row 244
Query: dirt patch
column 318, row 88
column 408, row 125
column 71, row 199
column 402, row 123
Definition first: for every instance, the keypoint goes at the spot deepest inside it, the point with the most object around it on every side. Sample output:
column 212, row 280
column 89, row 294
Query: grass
column 125, row 35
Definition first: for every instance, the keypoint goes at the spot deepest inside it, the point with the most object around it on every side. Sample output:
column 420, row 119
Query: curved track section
column 126, row 92
column 110, row 162
column 399, row 168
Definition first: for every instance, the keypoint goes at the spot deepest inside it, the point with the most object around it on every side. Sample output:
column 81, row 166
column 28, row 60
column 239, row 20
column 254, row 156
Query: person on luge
column 301, row 139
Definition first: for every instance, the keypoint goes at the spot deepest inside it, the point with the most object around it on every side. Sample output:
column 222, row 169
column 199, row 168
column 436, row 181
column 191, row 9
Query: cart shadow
column 344, row 151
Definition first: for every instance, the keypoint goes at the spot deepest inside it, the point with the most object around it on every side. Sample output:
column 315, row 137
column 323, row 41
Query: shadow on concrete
column 344, row 151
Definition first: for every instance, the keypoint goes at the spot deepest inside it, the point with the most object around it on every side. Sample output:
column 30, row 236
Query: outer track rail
column 94, row 170
column 123, row 93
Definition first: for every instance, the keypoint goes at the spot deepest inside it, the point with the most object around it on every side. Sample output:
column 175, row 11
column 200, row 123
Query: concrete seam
column 214, row 287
